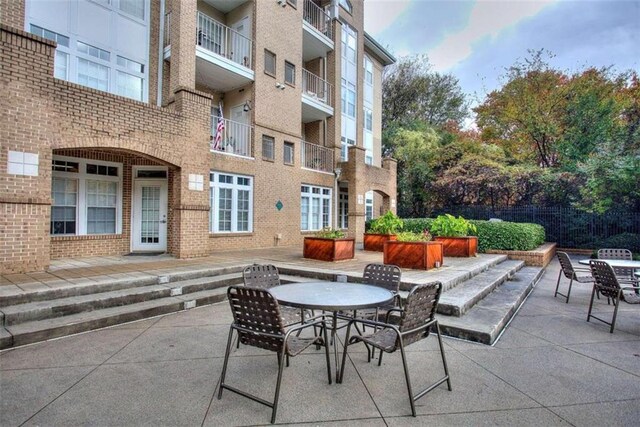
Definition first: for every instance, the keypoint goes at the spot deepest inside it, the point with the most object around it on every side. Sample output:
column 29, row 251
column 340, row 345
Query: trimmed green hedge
column 510, row 236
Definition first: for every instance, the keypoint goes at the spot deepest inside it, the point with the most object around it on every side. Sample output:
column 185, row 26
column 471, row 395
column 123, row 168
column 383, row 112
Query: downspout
column 160, row 54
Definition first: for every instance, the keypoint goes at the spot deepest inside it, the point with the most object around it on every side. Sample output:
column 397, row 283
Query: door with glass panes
column 149, row 216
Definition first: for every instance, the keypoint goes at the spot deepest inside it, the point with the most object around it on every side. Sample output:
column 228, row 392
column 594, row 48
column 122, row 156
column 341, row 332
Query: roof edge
column 375, row 47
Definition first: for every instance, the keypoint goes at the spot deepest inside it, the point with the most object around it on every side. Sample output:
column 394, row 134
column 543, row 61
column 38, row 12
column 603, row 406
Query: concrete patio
column 550, row 367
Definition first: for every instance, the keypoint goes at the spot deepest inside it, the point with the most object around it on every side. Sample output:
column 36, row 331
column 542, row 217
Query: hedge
column 510, row 236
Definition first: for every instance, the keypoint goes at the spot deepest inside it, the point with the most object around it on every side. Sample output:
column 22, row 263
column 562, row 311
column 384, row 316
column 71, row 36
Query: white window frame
column 82, row 177
column 323, row 195
column 214, row 193
column 349, row 89
column 368, row 205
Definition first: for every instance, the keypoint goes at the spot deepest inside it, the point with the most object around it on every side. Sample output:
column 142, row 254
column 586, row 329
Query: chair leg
column 379, row 357
column 558, row 283
column 326, row 350
column 344, row 356
column 593, row 292
column 224, row 365
column 406, row 376
column 569, row 291
column 279, row 381
column 615, row 311
column 444, row 359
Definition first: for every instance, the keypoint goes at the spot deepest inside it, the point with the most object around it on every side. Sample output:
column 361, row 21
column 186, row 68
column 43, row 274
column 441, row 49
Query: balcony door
column 240, row 46
column 238, row 130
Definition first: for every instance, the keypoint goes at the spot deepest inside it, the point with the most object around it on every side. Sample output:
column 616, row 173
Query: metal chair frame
column 607, row 284
column 570, row 272
column 264, row 316
column 409, row 336
column 624, row 274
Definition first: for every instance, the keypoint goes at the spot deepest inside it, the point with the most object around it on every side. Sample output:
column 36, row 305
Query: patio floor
column 550, row 367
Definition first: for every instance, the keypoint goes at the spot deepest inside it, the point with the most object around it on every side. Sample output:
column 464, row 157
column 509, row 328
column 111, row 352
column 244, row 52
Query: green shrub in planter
column 449, row 226
column 512, row 236
column 409, row 236
column 329, row 233
column 388, row 223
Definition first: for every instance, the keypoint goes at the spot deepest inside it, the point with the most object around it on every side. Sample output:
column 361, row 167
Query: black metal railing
column 568, row 227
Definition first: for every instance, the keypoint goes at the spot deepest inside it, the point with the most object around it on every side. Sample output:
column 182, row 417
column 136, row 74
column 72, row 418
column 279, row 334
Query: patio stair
column 476, row 304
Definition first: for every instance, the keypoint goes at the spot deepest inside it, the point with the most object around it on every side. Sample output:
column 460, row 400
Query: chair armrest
column 374, row 323
column 630, row 288
column 304, row 326
column 392, row 310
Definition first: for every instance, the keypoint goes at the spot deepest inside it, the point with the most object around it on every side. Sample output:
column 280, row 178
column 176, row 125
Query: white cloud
column 380, row 14
column 487, row 19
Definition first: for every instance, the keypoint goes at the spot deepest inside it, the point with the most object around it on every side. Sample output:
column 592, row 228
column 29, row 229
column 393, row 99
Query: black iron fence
column 568, row 227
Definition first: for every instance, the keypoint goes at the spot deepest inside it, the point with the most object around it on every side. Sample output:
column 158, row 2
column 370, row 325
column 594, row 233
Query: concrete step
column 41, row 330
column 286, row 279
column 486, row 320
column 457, row 301
column 59, row 307
column 108, row 284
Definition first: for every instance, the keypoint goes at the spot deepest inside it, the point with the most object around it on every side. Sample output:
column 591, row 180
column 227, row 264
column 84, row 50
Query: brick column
column 183, row 44
column 392, row 166
column 357, row 187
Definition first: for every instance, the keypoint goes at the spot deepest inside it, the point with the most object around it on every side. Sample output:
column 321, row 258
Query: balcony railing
column 236, row 138
column 224, row 41
column 316, row 87
column 318, row 18
column 167, row 29
column 316, row 157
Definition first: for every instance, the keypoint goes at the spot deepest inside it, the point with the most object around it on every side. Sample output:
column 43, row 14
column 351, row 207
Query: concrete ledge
column 539, row 257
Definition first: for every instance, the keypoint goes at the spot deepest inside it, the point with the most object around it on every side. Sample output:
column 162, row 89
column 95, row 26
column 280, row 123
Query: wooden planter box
column 375, row 242
column 329, row 249
column 459, row 246
column 416, row 255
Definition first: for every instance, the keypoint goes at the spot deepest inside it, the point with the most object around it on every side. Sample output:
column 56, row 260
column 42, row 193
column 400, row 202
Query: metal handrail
column 236, row 138
column 224, row 41
column 316, row 157
column 316, row 87
column 318, row 18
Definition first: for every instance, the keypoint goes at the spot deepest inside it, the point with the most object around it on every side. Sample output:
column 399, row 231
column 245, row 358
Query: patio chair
column 416, row 321
column 579, row 274
column 258, row 323
column 385, row 276
column 606, row 283
column 624, row 274
column 266, row 276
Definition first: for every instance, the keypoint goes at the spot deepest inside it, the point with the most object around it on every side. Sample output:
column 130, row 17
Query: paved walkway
column 550, row 367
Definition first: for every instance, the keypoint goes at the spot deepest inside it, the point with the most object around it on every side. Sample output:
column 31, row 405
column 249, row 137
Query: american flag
column 217, row 142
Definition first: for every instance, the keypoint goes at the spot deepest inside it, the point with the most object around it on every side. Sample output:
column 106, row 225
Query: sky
column 475, row 40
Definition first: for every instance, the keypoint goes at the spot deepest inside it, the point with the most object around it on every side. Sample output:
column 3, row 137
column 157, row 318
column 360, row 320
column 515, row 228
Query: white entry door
column 149, row 218
column 240, row 46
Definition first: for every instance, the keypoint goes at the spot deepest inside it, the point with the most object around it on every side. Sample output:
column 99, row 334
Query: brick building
column 185, row 126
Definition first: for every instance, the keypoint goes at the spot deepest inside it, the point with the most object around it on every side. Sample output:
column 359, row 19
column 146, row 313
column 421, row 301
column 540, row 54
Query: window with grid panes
column 288, row 153
column 315, row 208
column 289, row 73
column 269, row 62
column 231, row 198
column 268, row 147
column 64, row 207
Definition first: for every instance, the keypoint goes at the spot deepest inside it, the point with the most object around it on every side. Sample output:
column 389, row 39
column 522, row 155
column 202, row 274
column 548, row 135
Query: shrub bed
column 509, row 236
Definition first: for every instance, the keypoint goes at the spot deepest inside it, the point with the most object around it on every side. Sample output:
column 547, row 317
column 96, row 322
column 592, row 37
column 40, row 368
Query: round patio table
column 624, row 263
column 334, row 297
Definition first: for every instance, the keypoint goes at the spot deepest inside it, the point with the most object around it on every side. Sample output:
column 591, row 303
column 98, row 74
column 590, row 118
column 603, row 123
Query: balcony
column 316, row 157
column 235, row 138
column 223, row 55
column 317, row 38
column 317, row 101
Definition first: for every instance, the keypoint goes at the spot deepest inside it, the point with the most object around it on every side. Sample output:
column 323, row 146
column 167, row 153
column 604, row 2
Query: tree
column 412, row 91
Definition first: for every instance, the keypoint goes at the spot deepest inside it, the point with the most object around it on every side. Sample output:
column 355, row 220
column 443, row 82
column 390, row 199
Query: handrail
column 318, row 18
column 224, row 41
column 316, row 87
column 236, row 138
column 316, row 157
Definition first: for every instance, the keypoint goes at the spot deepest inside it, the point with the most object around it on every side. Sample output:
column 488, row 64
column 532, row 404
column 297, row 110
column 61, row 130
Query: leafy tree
column 412, row 91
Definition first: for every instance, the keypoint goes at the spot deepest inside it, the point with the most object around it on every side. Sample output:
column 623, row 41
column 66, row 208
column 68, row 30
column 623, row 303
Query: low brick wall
column 539, row 257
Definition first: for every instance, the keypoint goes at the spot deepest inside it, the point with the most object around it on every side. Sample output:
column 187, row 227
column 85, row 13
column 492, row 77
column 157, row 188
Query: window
column 368, row 206
column 288, row 153
column 64, row 208
column 86, row 196
column 231, row 198
column 129, row 82
column 270, row 62
column 368, row 119
column 315, row 208
column 93, row 75
column 346, row 4
column 133, row 7
column 293, row 3
column 61, row 59
column 94, row 51
column 102, row 199
column 348, row 82
column 268, row 148
column 368, row 82
column 343, row 209
column 289, row 73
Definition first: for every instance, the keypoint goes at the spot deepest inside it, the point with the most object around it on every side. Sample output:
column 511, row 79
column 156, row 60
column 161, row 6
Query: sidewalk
column 550, row 367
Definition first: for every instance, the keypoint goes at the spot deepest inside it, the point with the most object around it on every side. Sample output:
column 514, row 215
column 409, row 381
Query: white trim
column 321, row 197
column 214, row 195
